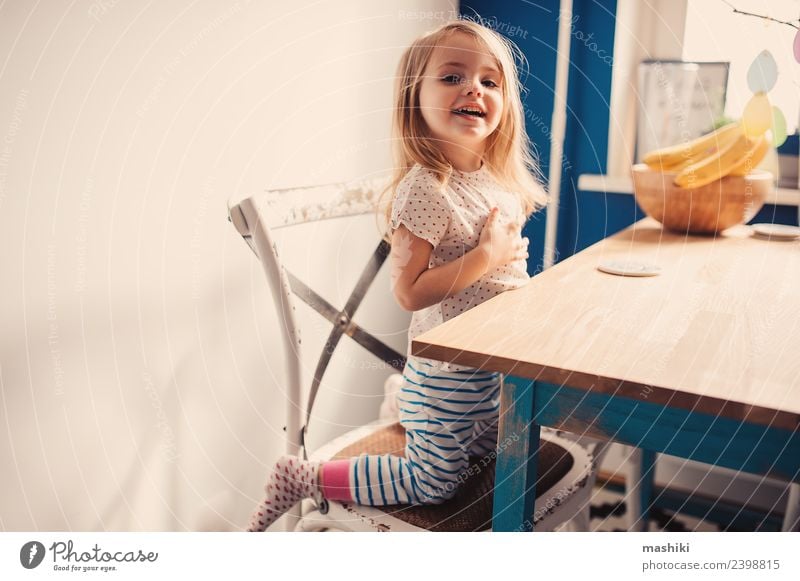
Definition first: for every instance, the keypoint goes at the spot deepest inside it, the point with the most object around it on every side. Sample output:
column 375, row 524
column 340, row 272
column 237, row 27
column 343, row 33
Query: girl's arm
column 416, row 286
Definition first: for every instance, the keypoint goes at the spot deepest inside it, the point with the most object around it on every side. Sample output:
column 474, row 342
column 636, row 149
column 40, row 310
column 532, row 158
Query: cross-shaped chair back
column 262, row 219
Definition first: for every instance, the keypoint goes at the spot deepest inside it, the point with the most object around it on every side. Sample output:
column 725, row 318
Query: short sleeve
column 422, row 207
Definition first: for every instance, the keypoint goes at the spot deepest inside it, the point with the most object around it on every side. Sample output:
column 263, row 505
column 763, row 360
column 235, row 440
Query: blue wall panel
column 536, row 36
column 585, row 148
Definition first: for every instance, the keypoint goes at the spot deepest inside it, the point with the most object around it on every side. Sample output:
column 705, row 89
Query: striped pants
column 448, row 417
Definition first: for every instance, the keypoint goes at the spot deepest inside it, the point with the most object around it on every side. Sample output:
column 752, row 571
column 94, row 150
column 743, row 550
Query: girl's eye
column 455, row 80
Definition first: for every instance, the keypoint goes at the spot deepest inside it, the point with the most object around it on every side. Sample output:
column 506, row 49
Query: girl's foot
column 291, row 480
column 391, row 389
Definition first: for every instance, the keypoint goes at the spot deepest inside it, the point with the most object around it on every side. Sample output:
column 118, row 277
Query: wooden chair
column 567, row 469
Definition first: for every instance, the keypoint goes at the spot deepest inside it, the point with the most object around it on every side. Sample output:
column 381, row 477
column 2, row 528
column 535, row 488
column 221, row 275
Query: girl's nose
column 474, row 87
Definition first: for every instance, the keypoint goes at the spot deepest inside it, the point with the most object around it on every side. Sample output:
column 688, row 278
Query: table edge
column 664, row 396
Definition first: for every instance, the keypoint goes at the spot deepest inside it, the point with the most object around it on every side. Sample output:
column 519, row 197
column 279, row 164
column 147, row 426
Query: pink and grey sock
column 293, row 479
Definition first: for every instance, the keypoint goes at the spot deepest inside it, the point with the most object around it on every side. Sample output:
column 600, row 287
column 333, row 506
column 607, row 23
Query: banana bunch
column 726, row 151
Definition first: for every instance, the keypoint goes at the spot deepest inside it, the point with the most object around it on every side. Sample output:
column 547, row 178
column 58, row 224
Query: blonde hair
column 507, row 154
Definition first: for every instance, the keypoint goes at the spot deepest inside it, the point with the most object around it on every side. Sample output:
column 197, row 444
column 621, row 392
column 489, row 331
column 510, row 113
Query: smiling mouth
column 469, row 112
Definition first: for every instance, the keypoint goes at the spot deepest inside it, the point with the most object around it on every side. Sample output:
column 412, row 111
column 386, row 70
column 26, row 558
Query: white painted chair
column 567, row 468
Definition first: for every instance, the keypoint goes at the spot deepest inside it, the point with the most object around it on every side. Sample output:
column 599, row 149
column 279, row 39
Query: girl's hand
column 501, row 241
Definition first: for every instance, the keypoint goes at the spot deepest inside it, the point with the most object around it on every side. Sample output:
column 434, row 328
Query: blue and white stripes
column 448, row 416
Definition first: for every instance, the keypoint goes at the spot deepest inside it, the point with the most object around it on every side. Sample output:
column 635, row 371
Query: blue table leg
column 645, row 489
column 517, row 458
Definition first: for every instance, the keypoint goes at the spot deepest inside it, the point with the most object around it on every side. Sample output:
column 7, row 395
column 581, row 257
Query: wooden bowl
column 712, row 208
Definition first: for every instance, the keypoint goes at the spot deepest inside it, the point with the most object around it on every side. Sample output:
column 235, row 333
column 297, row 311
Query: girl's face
column 461, row 96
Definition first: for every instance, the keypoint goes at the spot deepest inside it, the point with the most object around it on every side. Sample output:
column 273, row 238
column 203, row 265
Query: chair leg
column 293, row 517
column 313, row 522
column 582, row 520
column 791, row 520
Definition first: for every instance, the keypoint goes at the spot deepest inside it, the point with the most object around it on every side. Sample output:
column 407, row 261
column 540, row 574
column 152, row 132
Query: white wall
column 138, row 371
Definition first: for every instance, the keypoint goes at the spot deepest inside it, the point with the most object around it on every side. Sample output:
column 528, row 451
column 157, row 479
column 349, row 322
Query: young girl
column 462, row 192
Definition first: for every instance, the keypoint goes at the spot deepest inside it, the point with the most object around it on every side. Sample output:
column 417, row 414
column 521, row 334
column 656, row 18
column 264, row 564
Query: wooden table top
column 718, row 331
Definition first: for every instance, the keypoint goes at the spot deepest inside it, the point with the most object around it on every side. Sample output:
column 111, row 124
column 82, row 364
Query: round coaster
column 777, row 231
column 628, row 268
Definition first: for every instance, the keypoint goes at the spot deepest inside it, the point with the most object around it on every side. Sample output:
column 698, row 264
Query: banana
column 659, row 165
column 752, row 158
column 675, row 155
column 717, row 165
column 670, row 167
column 684, row 163
column 676, row 167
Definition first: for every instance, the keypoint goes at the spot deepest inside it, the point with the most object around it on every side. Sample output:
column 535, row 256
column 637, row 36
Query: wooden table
column 701, row 362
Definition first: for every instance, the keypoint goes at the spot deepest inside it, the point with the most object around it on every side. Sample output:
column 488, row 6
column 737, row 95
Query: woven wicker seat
column 471, row 507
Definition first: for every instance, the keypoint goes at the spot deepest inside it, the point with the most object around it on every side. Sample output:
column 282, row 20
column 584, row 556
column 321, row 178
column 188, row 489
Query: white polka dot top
column 452, row 220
